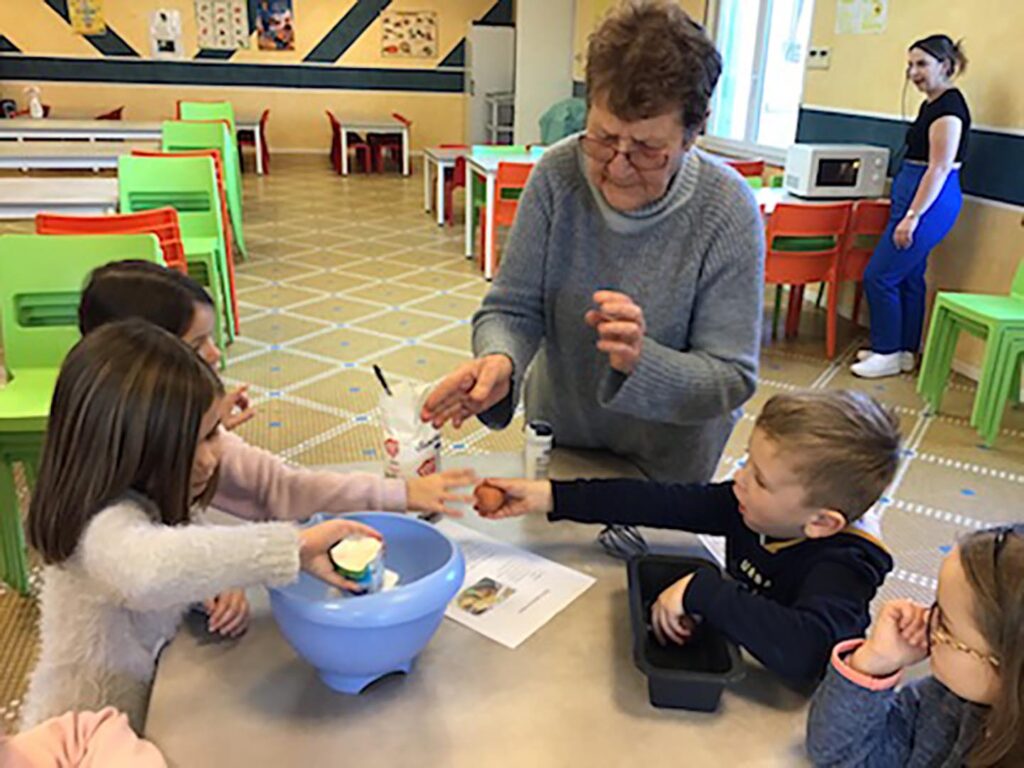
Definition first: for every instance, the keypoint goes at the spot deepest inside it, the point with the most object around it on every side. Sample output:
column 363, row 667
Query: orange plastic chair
column 389, row 143
column 797, row 268
column 114, row 114
column 508, row 187
column 162, row 222
column 246, row 139
column 867, row 225
column 215, row 154
column 747, row 168
column 355, row 144
column 455, row 180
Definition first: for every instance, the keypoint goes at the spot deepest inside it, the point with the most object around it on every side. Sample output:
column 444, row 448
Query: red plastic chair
column 747, row 168
column 225, row 218
column 387, row 143
column 162, row 222
column 455, row 180
column 248, row 139
column 799, row 267
column 114, row 114
column 867, row 225
column 355, row 144
column 508, row 186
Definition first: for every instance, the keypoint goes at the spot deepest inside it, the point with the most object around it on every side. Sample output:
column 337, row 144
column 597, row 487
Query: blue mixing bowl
column 352, row 641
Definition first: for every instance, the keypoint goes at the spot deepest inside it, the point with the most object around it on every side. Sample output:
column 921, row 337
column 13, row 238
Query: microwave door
column 837, row 173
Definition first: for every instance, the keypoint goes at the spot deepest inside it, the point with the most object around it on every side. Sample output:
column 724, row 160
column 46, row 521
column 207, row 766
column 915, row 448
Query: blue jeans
column 894, row 278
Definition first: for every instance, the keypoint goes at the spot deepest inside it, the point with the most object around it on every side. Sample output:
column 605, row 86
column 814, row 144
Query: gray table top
column 570, row 695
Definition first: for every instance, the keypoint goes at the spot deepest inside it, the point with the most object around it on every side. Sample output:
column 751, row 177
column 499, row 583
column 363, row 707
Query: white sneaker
column 878, row 366
column 907, row 359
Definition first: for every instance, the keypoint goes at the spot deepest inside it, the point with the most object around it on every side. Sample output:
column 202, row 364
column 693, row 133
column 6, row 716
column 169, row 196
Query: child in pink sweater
column 253, row 483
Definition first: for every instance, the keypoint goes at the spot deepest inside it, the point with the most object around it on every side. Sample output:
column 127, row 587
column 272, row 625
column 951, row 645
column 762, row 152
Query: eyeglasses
column 938, row 634
column 642, row 158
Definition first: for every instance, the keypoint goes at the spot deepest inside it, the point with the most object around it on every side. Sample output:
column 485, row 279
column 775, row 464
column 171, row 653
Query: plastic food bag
column 411, row 447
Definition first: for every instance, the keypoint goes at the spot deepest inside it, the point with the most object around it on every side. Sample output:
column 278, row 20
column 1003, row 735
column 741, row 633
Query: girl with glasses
column 970, row 711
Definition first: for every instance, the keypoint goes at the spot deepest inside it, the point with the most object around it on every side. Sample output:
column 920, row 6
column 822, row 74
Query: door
column 490, row 68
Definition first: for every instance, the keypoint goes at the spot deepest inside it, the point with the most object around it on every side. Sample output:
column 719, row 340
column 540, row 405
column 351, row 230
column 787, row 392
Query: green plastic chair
column 189, row 185
column 178, row 136
column 41, row 279
column 208, row 110
column 999, row 320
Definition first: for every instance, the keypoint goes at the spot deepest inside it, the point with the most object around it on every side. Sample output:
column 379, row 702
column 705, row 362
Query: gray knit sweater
column 693, row 261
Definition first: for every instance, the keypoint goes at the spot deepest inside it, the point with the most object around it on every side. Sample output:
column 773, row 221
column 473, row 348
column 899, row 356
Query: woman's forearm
column 929, row 188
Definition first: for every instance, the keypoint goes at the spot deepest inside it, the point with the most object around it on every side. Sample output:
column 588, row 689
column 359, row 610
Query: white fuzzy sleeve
column 146, row 565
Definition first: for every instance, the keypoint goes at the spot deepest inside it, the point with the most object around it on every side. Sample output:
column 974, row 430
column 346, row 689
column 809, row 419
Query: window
column 763, row 45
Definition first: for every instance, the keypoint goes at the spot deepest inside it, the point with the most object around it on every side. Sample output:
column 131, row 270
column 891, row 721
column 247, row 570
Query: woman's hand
column 522, row 497
column 898, row 639
column 903, row 235
column 471, row 389
column 620, row 326
column 238, row 409
column 316, row 541
column 228, row 613
column 433, row 493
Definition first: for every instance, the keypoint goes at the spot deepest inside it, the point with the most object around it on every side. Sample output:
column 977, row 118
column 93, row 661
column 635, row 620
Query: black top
column 788, row 601
column 949, row 103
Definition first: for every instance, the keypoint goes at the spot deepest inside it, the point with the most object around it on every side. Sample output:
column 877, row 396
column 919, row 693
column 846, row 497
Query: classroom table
column 388, row 125
column 569, row 695
column 253, row 124
column 68, row 155
column 769, row 197
column 29, row 129
column 23, row 198
column 442, row 160
column 483, row 161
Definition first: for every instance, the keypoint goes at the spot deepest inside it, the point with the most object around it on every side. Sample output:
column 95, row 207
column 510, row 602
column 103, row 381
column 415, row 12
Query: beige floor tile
column 422, row 363
column 449, row 304
column 381, row 270
column 352, row 390
column 391, row 294
column 276, row 328
column 279, row 296
column 459, row 338
column 361, row 442
column 436, row 280
column 401, row 323
column 346, row 345
column 280, row 424
column 275, row 270
column 334, row 281
column 275, row 370
column 337, row 309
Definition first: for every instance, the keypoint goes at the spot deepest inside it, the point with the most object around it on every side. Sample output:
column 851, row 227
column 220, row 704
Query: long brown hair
column 993, row 560
column 125, row 418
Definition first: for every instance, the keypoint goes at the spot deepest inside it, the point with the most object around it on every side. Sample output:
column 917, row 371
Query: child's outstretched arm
column 149, row 566
column 700, row 507
column 257, row 485
column 857, row 718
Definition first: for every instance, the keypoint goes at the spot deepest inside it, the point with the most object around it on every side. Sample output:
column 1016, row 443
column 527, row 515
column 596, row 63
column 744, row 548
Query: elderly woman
column 631, row 286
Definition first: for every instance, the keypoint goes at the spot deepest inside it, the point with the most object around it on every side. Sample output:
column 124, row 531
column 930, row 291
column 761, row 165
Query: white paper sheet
column 509, row 593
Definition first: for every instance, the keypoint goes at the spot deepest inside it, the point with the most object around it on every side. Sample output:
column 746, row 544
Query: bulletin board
column 409, row 35
column 222, row 25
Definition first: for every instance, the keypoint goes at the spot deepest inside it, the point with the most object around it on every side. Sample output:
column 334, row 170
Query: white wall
column 544, row 37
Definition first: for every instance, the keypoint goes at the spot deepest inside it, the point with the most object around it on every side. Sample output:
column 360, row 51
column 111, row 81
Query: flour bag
column 411, row 447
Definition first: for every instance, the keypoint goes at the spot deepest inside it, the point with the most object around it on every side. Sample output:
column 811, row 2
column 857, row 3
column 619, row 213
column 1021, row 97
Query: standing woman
column 926, row 200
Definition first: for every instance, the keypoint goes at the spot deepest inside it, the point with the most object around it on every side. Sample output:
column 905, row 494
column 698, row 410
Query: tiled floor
column 344, row 273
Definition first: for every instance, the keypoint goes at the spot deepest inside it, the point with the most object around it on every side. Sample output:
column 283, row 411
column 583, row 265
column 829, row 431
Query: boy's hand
column 433, row 493
column 228, row 613
column 898, row 639
column 522, row 497
column 668, row 619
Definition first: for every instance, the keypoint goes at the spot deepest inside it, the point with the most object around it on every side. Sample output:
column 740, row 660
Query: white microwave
column 836, row 170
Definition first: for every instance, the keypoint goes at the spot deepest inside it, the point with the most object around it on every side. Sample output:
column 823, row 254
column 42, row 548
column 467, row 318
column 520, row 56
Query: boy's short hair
column 845, row 446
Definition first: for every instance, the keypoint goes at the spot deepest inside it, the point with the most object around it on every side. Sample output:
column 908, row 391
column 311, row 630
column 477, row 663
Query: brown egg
column 488, row 499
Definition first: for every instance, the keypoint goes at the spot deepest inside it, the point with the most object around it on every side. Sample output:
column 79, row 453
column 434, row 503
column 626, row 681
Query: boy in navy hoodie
column 803, row 564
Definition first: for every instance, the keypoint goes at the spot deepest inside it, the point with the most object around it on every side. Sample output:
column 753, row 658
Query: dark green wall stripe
column 213, row 54
column 7, row 46
column 341, row 37
column 457, row 56
column 109, row 44
column 992, row 167
column 501, row 14
column 145, row 72
column 579, row 89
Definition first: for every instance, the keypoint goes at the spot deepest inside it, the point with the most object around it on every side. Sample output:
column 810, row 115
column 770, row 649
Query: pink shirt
column 257, row 485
